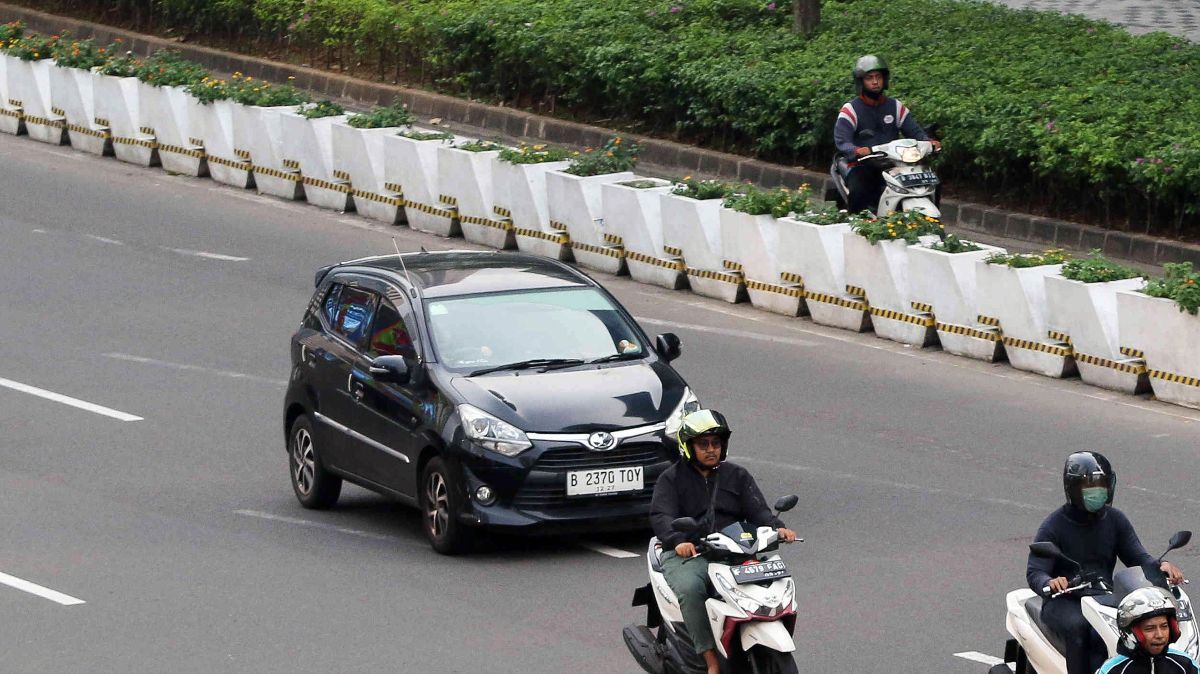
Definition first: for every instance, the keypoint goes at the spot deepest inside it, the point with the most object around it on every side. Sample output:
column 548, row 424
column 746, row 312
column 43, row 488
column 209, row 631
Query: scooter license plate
column 914, row 179
column 605, row 481
column 754, row 573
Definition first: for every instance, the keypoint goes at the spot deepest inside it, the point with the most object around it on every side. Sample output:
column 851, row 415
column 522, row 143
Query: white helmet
column 1146, row 602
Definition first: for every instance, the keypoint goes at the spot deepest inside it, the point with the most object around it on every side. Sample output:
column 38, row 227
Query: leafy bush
column 84, row 54
column 953, row 244
column 125, row 65
column 379, row 117
column 906, row 225
column 209, row 89
column 533, row 154
column 33, row 47
column 614, row 157
column 166, row 68
column 322, row 109
column 425, row 135
column 1181, row 284
column 703, row 189
column 480, row 146
column 13, row 30
column 1095, row 268
column 826, row 215
column 778, row 202
column 1024, row 260
column 249, row 91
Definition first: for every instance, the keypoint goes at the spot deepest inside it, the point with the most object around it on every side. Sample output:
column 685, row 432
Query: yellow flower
column 686, row 178
column 617, row 141
column 609, row 153
column 539, row 147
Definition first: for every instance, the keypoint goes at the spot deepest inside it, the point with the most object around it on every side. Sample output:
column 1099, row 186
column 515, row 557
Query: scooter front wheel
column 766, row 661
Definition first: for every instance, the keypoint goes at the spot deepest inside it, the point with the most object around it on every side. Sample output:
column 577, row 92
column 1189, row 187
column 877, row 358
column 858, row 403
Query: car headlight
column 689, row 404
column 495, row 434
column 911, row 155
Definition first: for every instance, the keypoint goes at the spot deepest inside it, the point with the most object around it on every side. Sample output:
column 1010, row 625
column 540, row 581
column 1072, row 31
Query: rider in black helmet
column 886, row 118
column 1092, row 532
column 689, row 489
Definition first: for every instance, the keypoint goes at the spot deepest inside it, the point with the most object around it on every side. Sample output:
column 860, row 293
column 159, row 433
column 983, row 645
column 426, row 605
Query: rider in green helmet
column 690, row 489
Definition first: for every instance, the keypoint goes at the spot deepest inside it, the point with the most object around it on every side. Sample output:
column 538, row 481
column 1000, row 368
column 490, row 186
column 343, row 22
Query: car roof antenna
column 401, row 258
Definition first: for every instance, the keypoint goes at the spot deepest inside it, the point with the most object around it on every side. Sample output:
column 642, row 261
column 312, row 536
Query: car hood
column 608, row 397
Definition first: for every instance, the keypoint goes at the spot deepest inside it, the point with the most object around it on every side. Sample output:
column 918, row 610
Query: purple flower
column 1091, row 30
column 675, row 9
column 771, row 7
column 1168, row 169
column 1050, row 126
column 1140, row 160
column 1156, row 160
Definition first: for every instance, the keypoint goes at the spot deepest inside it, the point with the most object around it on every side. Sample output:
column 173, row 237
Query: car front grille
column 579, row 458
column 543, row 495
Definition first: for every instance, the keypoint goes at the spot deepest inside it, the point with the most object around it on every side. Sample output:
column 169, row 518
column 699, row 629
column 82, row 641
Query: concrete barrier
column 815, row 255
column 308, row 146
column 750, row 244
column 520, row 196
column 1085, row 316
column 465, row 187
column 946, row 282
column 410, row 166
column 10, row 115
column 692, row 230
column 29, row 90
column 116, row 104
column 576, row 208
column 1014, row 300
column 1153, row 328
column 358, row 157
column 73, row 98
column 167, row 111
column 880, row 270
column 632, row 211
column 258, row 130
column 214, row 122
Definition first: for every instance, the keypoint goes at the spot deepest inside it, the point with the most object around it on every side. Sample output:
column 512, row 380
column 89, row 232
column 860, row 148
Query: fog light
column 485, row 495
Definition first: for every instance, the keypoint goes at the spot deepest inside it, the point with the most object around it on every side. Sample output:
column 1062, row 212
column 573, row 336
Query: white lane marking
column 195, row 368
column 39, row 231
column 104, row 239
column 43, row 592
column 207, row 255
column 729, row 332
column 316, row 525
column 67, row 400
column 976, row 656
column 608, row 550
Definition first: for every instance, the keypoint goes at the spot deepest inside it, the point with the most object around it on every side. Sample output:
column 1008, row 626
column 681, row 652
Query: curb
column 668, row 155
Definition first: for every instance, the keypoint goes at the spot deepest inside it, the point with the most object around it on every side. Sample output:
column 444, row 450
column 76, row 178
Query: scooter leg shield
column 644, row 648
column 644, row 596
column 772, row 635
column 921, row 205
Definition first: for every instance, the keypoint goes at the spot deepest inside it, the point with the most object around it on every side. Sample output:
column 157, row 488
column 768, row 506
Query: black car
column 487, row 389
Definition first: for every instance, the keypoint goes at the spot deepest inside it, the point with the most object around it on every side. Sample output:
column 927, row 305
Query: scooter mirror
column 1045, row 549
column 685, row 524
column 786, row 503
column 1180, row 539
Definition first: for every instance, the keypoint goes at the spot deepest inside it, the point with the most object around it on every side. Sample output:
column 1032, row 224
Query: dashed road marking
column 104, row 239
column 317, row 525
column 729, row 332
column 976, row 656
column 608, row 550
column 195, row 368
column 43, row 592
column 67, row 400
column 207, row 255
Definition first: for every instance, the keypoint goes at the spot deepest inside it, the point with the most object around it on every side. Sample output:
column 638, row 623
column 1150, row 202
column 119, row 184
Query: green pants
column 688, row 578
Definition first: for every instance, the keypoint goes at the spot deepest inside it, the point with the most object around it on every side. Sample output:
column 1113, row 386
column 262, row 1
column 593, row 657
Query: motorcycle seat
column 1033, row 607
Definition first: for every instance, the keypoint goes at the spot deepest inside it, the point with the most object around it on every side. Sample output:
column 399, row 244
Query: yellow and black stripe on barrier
column 1029, row 345
column 673, row 265
column 734, row 278
column 561, row 238
column 672, row 250
column 149, row 131
column 17, row 104
column 502, row 225
column 733, row 266
column 1129, row 368
column 100, row 121
column 140, row 142
column 276, row 173
column 341, row 175
column 613, row 240
column 788, row 291
column 55, row 110
column 17, row 114
column 344, row 188
column 560, row 226
column 450, row 201
column 430, row 210
column 185, row 151
column 502, row 212
column 610, row 251
column 291, row 164
column 988, row 320
column 845, row 302
column 376, row 197
column 992, row 335
column 1174, row 378
column 242, row 154
column 922, row 307
column 222, row 161
column 791, row 277
column 855, row 291
column 44, row 121
column 1133, row 353
column 1059, row 336
column 923, row 321
column 95, row 133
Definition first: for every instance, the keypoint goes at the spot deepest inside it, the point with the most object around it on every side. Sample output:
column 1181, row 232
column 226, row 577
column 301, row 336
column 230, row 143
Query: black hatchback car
column 487, row 389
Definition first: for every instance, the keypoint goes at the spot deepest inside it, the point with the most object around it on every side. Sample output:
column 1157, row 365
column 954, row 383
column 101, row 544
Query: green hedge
column 1049, row 107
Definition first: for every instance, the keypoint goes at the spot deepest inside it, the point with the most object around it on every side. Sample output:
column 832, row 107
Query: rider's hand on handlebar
column 862, row 151
column 1174, row 573
column 686, row 549
column 1059, row 584
column 787, row 535
column 937, row 145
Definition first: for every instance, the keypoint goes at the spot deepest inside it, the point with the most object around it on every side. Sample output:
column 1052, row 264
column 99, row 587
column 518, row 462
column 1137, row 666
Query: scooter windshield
column 744, row 534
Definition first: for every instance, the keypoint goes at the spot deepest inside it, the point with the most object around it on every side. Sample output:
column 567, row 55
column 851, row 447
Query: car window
column 354, row 309
column 501, row 328
column 390, row 335
column 330, row 305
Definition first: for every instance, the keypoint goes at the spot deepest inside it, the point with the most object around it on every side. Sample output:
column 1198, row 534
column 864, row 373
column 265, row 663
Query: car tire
column 441, row 503
column 315, row 487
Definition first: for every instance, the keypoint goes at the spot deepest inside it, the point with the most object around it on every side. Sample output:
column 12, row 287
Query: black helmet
column 870, row 63
column 703, row 422
column 1087, row 469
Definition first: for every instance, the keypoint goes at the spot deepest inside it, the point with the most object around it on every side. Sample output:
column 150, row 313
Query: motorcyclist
column 1093, row 533
column 1148, row 625
column 717, row 493
column 886, row 119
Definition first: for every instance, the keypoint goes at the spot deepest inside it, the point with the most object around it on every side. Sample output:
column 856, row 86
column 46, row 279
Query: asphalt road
column 921, row 476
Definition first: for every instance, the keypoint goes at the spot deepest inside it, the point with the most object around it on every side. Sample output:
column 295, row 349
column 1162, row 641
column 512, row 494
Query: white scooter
column 1035, row 648
column 751, row 607
column 908, row 185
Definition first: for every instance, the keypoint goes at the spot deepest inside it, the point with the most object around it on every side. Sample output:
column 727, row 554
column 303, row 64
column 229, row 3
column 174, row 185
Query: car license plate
column 753, row 573
column 605, row 481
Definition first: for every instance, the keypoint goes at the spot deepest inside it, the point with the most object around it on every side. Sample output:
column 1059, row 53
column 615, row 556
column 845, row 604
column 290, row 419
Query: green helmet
column 702, row 422
column 870, row 63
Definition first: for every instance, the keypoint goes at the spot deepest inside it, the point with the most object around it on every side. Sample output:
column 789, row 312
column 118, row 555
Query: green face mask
column 1094, row 498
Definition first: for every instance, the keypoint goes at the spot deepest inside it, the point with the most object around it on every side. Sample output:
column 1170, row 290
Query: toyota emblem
column 602, row 440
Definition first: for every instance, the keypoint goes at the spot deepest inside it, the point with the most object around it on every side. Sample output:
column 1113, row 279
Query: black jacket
column 681, row 491
column 1094, row 542
column 1170, row 661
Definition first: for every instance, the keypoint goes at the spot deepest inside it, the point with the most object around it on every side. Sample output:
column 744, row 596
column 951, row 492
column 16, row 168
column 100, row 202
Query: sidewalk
column 1178, row 17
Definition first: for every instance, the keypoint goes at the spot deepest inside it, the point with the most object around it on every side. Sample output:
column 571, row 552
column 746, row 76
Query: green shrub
column 906, row 225
column 778, row 202
column 1024, row 260
column 33, row 47
column 703, row 189
column 533, row 154
column 249, row 91
column 209, row 89
column 125, row 65
column 1181, row 284
column 826, row 215
column 480, row 146
column 83, row 54
column 13, row 30
column 379, row 117
column 166, row 68
column 1095, row 268
column 322, row 109
column 953, row 244
column 425, row 135
column 614, row 157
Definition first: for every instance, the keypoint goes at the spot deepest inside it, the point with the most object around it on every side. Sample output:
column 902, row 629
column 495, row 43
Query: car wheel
column 315, row 487
column 441, row 503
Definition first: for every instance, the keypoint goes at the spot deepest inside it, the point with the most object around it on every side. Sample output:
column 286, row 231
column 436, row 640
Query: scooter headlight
column 911, row 155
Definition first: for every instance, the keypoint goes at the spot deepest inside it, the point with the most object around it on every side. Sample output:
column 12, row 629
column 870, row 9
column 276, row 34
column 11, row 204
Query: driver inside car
column 702, row 485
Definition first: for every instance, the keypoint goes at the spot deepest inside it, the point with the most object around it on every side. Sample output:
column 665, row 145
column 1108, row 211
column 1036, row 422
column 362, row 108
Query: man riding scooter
column 701, row 485
column 1148, row 622
column 1090, row 531
column 871, row 115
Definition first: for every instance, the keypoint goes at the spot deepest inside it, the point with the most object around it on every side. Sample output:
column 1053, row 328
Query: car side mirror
column 685, row 525
column 668, row 346
column 786, row 503
column 391, row 369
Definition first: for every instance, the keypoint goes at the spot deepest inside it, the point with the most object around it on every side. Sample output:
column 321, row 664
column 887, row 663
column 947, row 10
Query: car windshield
column 569, row 325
